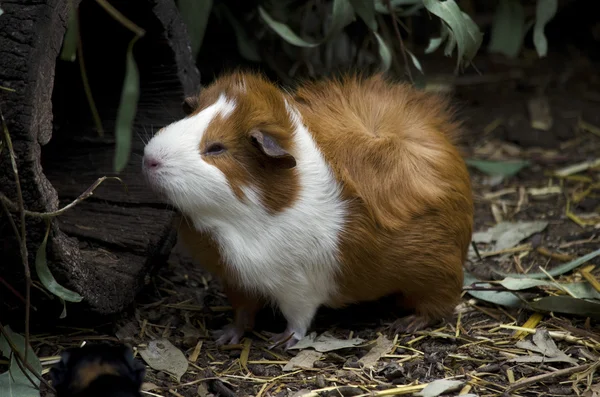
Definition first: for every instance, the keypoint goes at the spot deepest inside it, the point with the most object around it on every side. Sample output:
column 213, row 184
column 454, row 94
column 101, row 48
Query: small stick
column 399, row 36
column 535, row 379
column 23, row 235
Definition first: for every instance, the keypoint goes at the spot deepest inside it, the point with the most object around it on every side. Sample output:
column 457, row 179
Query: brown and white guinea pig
column 340, row 192
column 98, row 370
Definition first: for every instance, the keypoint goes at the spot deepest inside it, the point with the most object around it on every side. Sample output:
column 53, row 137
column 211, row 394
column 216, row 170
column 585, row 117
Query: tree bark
column 105, row 247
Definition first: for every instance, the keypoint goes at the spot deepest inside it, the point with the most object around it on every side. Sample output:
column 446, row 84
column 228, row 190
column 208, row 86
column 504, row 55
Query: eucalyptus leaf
column 415, row 61
column 382, row 8
column 69, row 48
column 384, row 52
column 366, row 11
column 127, row 109
column 466, row 32
column 508, row 28
column 504, row 168
column 1, row 11
column 544, row 12
column 568, row 305
column 509, row 234
column 440, row 386
column 557, row 271
column 284, row 31
column 246, row 46
column 46, row 277
column 516, row 284
column 501, row 298
column 434, row 44
column 14, row 382
column 195, row 15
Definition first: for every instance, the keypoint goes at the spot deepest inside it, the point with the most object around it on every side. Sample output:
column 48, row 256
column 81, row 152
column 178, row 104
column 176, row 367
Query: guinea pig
column 98, row 370
column 341, row 191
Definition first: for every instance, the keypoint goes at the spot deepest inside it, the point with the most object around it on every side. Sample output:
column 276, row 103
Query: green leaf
column 384, row 52
column 415, row 61
column 545, row 11
column 127, row 110
column 466, row 33
column 195, row 15
column 366, row 11
column 501, row 298
column 516, row 284
column 1, row 11
column 284, row 31
column 246, row 45
column 342, row 14
column 46, row 277
column 508, row 28
column 557, row 271
column 69, row 48
column 434, row 44
column 14, row 382
column 382, row 8
column 568, row 305
column 504, row 168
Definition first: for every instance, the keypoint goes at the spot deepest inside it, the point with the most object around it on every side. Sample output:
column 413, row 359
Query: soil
column 184, row 304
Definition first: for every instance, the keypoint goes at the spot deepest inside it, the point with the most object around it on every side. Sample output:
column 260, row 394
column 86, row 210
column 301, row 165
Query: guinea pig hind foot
column 231, row 334
column 410, row 324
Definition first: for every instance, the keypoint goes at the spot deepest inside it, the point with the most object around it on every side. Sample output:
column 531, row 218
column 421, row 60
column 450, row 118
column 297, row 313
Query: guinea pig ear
column 269, row 146
column 189, row 105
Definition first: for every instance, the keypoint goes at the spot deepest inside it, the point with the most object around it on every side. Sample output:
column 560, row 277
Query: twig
column 84, row 78
column 20, row 358
column 116, row 14
column 535, row 379
column 47, row 215
column 399, row 36
column 23, row 236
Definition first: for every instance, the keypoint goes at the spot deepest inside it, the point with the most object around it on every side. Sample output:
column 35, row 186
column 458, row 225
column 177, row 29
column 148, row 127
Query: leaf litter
column 534, row 300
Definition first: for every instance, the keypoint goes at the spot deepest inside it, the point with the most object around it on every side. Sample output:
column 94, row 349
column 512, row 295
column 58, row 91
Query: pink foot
column 284, row 340
column 229, row 335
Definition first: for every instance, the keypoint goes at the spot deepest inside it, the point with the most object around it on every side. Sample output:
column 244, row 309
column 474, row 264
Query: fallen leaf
column 304, row 359
column 516, row 284
column 382, row 346
column 568, row 304
column 539, row 113
column 148, row 386
column 162, row 355
column 501, row 298
column 325, row 343
column 509, row 234
column 202, row 390
column 543, row 344
column 498, row 168
column 440, row 386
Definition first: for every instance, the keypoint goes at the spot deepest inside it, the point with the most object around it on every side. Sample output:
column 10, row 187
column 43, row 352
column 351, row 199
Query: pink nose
column 151, row 162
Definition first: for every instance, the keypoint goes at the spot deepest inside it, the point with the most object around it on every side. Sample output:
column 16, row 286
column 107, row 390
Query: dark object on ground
column 98, row 370
column 105, row 247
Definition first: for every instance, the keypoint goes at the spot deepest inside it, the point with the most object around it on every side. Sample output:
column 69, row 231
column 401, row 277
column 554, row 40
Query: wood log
column 105, row 247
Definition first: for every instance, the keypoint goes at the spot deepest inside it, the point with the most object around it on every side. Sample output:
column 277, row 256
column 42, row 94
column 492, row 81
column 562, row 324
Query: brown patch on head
column 90, row 371
column 253, row 145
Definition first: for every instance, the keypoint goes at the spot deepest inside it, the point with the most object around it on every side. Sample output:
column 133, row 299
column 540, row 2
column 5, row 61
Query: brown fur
column 408, row 188
column 392, row 148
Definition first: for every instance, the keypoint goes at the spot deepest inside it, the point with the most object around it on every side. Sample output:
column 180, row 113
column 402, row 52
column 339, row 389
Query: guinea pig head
column 234, row 149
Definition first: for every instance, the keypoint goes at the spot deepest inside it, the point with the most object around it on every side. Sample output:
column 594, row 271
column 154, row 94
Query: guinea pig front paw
column 229, row 335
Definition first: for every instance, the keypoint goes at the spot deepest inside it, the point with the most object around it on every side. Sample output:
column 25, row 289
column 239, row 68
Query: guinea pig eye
column 214, row 148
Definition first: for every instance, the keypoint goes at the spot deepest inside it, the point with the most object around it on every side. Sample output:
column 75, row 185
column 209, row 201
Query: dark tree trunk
column 105, row 247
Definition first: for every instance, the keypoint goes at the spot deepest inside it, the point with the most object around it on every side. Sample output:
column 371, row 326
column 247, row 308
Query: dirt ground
column 184, row 304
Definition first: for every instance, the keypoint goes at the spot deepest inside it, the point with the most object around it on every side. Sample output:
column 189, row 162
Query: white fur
column 292, row 256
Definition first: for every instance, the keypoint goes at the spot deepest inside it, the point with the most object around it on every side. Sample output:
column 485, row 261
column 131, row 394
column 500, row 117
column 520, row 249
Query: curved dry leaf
column 325, row 343
column 162, row 355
